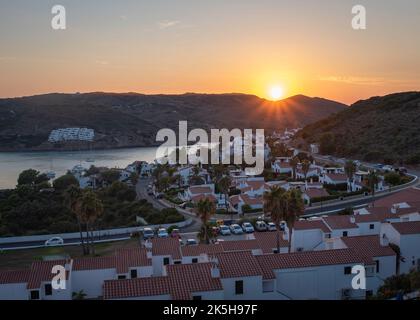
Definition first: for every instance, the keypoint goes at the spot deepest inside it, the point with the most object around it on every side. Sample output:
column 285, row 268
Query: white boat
column 50, row 174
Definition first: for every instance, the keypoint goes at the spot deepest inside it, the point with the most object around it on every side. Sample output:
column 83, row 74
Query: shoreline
column 79, row 150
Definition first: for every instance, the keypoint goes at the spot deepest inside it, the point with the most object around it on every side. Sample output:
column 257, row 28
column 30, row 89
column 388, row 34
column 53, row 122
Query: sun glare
column 276, row 93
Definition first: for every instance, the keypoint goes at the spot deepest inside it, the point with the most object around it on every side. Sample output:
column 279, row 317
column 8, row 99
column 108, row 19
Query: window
column 371, row 226
column 197, row 298
column 35, row 295
column 177, row 262
column 133, row 273
column 48, row 289
column 345, row 233
column 165, row 261
column 328, row 235
column 121, row 277
column 369, row 293
column 347, row 270
column 194, row 260
column 377, row 266
column 239, row 287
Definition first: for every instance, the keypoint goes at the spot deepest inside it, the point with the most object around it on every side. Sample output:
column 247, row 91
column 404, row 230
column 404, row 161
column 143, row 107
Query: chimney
column 149, row 254
column 215, row 272
column 384, row 240
column 394, row 208
column 352, row 219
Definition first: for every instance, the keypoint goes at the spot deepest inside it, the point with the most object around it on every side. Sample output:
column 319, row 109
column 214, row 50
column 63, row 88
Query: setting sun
column 276, row 92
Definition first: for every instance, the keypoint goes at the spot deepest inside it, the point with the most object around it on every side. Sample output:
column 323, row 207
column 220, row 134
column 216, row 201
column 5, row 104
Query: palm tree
column 350, row 169
column 294, row 163
column 373, row 180
column 224, row 186
column 275, row 202
column 295, row 208
column 306, row 165
column 205, row 209
column 91, row 208
column 218, row 171
column 72, row 200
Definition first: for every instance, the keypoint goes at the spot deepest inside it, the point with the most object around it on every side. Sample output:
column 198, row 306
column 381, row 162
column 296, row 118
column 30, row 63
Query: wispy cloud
column 168, row 24
column 354, row 80
column 102, row 62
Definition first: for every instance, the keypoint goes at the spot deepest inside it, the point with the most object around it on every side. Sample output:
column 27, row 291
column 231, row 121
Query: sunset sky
column 218, row 46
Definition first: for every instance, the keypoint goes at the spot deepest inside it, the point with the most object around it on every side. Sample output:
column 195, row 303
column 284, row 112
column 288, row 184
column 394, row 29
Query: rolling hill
column 377, row 129
column 131, row 119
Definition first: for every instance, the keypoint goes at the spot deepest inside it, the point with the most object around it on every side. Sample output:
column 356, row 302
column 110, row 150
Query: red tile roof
column 200, row 189
column 409, row 227
column 407, row 195
column 311, row 225
column 239, row 245
column 238, row 264
column 121, row 261
column 139, row 287
column 181, row 281
column 166, row 247
column 234, row 200
column 41, row 272
column 255, row 185
column 306, row 259
column 368, row 246
column 267, row 241
column 14, row 276
column 251, row 200
column 93, row 263
column 316, row 193
column 186, row 279
column 131, row 257
column 340, row 222
column 199, row 197
column 195, row 251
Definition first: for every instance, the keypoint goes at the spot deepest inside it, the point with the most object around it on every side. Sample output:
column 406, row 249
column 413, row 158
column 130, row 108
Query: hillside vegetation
column 377, row 129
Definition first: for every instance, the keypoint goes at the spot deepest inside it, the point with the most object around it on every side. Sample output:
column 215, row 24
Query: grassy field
column 18, row 259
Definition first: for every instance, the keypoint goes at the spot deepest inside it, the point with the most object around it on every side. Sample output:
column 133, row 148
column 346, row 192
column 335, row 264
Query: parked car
column 224, row 230
column 148, row 233
column 162, row 233
column 247, row 227
column 261, row 226
column 191, row 242
column 271, row 226
column 55, row 241
column 175, row 233
column 388, row 168
column 236, row 229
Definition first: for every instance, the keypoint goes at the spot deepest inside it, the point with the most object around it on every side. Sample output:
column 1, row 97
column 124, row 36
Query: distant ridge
column 132, row 119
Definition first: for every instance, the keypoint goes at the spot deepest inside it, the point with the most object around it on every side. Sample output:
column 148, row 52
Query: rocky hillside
column 124, row 120
column 378, row 129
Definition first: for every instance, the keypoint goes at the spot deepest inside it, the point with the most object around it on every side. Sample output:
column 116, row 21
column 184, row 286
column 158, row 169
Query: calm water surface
column 11, row 164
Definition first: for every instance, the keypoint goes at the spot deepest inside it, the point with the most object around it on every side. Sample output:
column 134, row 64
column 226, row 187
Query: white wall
column 364, row 228
column 323, row 283
column 306, row 239
column 13, row 291
column 252, row 288
column 91, row 281
column 410, row 250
